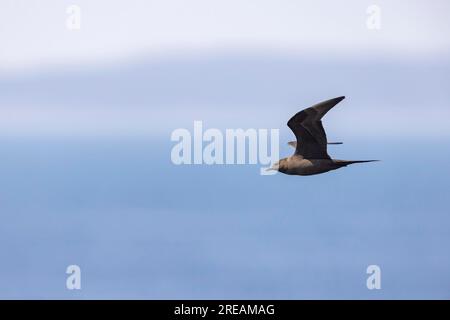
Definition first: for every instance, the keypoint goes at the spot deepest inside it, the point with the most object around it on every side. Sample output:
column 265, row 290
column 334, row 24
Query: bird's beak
column 275, row 167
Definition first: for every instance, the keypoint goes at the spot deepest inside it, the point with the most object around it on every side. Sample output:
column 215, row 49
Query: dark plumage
column 311, row 156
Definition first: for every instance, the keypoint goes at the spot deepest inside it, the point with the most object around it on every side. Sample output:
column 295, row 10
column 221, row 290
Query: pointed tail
column 347, row 162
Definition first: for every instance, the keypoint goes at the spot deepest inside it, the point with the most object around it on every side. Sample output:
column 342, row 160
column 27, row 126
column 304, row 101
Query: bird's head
column 278, row 166
column 274, row 167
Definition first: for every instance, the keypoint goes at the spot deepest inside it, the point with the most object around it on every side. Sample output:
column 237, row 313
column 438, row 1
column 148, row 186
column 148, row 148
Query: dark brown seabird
column 311, row 155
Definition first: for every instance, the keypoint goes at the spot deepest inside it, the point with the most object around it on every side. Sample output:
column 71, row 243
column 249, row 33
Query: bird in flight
column 310, row 156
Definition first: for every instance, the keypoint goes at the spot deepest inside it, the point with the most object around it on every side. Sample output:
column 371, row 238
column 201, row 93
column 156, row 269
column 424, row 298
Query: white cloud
column 34, row 33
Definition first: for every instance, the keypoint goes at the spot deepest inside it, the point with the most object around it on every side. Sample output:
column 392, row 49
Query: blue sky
column 86, row 176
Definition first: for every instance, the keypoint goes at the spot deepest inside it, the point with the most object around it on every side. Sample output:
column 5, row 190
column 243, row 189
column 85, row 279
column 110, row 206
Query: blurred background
column 90, row 92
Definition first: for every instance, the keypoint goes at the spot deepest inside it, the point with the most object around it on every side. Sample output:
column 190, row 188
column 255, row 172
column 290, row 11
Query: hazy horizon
column 86, row 176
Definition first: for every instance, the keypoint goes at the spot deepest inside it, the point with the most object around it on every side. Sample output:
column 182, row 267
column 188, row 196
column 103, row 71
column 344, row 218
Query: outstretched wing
column 309, row 132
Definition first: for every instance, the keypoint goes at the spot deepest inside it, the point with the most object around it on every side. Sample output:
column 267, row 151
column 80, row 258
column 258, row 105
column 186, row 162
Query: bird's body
column 311, row 155
column 295, row 165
